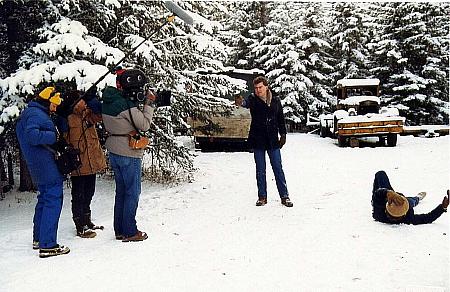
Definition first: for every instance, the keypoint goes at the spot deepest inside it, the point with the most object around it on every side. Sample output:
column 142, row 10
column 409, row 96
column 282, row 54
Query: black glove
column 59, row 145
column 445, row 201
column 163, row 98
column 282, row 141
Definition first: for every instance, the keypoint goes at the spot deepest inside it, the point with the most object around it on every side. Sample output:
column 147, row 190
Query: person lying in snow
column 394, row 208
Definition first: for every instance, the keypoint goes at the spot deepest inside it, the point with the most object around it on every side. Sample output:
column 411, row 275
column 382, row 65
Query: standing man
column 124, row 121
column 267, row 123
column 35, row 130
column 394, row 208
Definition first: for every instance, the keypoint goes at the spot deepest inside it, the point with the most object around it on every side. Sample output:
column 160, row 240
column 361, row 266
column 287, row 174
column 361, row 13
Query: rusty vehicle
column 358, row 114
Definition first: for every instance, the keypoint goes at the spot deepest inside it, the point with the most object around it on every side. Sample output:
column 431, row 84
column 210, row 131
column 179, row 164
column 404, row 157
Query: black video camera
column 135, row 87
column 134, row 94
column 161, row 97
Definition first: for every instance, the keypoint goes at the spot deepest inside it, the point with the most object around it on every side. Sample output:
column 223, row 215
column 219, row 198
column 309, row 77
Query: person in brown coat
column 83, row 136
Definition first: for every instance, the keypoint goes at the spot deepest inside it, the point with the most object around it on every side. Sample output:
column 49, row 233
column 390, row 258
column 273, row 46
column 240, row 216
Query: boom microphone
column 172, row 7
column 178, row 11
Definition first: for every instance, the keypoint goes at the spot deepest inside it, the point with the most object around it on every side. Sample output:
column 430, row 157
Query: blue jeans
column 46, row 214
column 275, row 162
column 382, row 181
column 127, row 175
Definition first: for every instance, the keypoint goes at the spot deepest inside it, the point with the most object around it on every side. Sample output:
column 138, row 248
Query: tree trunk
column 10, row 170
column 2, row 174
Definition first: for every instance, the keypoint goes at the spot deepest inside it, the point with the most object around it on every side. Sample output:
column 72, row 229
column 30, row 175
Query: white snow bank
column 370, row 118
column 209, row 236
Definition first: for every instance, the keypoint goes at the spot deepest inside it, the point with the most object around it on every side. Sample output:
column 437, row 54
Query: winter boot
column 287, row 202
column 261, row 201
column 54, row 251
column 83, row 230
column 421, row 195
column 90, row 224
column 139, row 236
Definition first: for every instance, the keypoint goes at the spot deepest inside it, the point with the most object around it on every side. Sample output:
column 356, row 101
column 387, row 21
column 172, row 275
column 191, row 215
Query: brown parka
column 83, row 136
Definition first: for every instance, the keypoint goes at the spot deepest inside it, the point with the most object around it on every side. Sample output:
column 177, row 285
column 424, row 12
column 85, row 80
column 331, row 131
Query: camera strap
column 134, row 125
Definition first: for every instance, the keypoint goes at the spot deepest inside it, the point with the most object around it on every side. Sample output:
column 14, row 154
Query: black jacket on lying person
column 379, row 199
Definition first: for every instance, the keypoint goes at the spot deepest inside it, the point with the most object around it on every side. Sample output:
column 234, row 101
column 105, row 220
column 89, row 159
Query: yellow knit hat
column 49, row 94
column 399, row 207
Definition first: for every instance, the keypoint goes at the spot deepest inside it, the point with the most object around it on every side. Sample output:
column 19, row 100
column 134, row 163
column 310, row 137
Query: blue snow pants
column 47, row 213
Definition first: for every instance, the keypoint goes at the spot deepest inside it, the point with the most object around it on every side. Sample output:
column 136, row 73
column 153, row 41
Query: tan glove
column 395, row 198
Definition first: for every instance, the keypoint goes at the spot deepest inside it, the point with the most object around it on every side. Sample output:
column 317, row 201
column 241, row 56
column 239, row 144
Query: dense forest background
column 303, row 48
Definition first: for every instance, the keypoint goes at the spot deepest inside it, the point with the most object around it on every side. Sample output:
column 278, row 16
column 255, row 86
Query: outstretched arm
column 433, row 215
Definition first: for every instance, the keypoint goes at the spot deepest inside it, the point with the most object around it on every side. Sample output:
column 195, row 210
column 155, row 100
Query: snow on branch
column 71, row 37
column 25, row 81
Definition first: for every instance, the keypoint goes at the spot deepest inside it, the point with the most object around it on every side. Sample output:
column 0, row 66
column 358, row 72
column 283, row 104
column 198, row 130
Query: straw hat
column 397, row 207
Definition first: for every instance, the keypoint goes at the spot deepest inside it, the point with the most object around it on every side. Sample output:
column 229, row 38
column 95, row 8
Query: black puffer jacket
column 267, row 122
column 379, row 200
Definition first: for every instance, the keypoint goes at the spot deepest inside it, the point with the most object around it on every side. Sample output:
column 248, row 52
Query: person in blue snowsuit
column 34, row 131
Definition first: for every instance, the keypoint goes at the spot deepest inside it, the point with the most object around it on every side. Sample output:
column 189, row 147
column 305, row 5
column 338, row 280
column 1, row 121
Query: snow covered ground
column 209, row 236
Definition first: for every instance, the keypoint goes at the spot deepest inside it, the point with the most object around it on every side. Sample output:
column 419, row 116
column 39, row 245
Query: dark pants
column 382, row 181
column 83, row 188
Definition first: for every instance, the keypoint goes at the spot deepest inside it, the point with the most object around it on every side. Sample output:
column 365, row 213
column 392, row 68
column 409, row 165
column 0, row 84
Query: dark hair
column 260, row 79
column 44, row 102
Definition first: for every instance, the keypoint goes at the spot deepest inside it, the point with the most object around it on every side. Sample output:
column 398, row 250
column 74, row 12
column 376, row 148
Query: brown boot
column 83, row 230
column 89, row 223
column 261, row 201
column 287, row 202
column 139, row 236
column 86, row 233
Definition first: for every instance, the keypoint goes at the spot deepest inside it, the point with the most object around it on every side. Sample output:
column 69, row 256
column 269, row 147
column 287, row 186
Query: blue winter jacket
column 35, row 129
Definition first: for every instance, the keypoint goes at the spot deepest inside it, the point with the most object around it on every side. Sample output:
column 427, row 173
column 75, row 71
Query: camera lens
column 140, row 96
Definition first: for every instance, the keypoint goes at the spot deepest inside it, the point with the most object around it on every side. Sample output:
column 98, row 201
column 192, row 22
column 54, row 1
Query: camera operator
column 125, row 122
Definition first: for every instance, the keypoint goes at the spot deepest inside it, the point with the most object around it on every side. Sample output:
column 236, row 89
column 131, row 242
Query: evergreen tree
column 436, row 68
column 293, row 51
column 412, row 61
column 318, row 60
column 349, row 40
column 82, row 40
column 244, row 26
